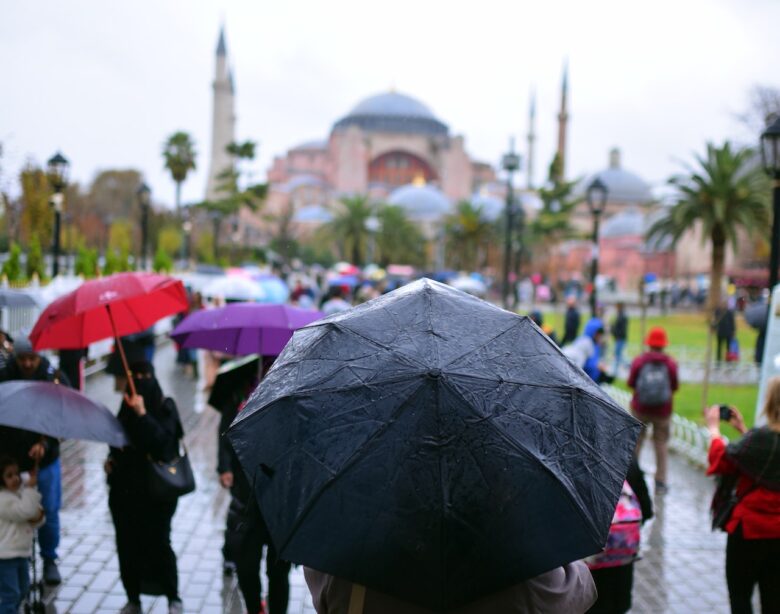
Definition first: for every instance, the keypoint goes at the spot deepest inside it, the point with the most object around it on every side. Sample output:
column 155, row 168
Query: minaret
column 563, row 118
column 223, row 123
column 531, row 138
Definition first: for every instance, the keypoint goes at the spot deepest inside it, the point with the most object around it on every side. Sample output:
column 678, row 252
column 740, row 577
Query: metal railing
column 688, row 438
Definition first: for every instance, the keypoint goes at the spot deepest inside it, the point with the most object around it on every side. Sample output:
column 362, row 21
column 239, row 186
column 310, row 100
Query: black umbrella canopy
column 434, row 447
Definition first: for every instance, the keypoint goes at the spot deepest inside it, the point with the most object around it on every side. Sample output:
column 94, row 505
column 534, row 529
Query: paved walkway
column 682, row 569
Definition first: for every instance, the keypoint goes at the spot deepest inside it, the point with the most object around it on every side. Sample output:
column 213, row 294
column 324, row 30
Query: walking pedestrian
column 586, row 352
column 20, row 514
column 653, row 378
column 29, row 448
column 6, row 349
column 571, row 325
column 613, row 569
column 246, row 533
column 753, row 526
column 142, row 522
column 725, row 327
column 619, row 330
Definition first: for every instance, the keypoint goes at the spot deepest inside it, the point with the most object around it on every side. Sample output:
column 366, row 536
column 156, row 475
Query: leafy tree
column 726, row 192
column 113, row 192
column 37, row 217
column 347, row 229
column 112, row 263
column 120, row 236
column 399, row 240
column 466, row 231
column 552, row 224
column 179, row 155
column 35, row 262
column 162, row 261
column 12, row 268
column 204, row 247
column 86, row 261
column 169, row 240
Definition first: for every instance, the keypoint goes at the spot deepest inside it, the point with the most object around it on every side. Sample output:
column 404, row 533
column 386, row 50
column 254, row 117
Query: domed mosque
column 391, row 147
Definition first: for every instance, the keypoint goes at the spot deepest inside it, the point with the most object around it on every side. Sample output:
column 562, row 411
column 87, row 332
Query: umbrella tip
column 434, row 373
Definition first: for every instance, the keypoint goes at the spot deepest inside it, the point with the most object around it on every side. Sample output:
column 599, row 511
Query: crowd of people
column 147, row 563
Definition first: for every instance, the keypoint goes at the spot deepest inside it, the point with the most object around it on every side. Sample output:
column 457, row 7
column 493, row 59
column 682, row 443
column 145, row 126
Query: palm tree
column 727, row 192
column 348, row 227
column 467, row 230
column 179, row 155
column 399, row 240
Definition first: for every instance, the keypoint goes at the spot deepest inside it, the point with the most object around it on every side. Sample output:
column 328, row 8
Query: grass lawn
column 686, row 329
column 687, row 401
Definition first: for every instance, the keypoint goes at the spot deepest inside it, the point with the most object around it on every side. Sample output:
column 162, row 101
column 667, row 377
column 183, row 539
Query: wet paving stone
column 682, row 569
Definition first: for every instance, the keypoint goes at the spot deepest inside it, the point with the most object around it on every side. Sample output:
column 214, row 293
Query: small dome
column 490, row 206
column 622, row 186
column 311, row 145
column 313, row 214
column 421, row 202
column 393, row 112
column 628, row 223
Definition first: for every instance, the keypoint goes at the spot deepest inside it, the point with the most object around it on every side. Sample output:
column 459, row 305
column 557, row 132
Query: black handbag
column 725, row 500
column 170, row 479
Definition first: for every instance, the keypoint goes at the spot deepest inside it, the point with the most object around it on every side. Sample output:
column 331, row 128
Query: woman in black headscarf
column 147, row 562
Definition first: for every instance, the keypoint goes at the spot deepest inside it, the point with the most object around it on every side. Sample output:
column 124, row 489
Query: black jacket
column 571, row 326
column 155, row 435
column 17, row 442
column 620, row 327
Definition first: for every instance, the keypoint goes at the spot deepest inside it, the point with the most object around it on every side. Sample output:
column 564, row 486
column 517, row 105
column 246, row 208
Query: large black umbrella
column 57, row 411
column 434, row 447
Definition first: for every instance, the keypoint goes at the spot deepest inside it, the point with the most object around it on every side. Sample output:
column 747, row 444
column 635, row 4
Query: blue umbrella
column 275, row 290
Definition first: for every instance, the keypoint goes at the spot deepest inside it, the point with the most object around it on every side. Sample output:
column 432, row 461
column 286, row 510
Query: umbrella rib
column 523, row 450
column 354, row 457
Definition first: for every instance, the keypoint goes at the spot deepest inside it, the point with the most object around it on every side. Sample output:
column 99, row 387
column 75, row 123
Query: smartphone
column 725, row 413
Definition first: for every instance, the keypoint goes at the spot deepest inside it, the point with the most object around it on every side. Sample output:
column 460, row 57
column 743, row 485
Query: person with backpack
column 613, row 569
column 653, row 378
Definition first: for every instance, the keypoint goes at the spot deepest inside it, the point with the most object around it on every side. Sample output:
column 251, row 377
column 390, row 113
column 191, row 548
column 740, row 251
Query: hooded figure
column 142, row 523
column 586, row 351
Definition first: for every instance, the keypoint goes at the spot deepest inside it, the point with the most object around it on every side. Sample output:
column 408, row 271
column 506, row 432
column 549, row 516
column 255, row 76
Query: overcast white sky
column 107, row 82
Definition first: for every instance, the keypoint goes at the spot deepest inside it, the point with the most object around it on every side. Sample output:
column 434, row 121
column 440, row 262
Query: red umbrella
column 114, row 306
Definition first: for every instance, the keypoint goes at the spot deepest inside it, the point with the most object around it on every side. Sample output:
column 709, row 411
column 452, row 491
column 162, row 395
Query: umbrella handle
column 121, row 352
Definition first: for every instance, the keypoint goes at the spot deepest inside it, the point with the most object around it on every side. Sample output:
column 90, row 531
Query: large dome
column 421, row 202
column 393, row 112
column 622, row 186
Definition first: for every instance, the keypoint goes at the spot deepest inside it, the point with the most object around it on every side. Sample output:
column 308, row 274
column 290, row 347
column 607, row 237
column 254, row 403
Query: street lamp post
column 58, row 176
column 510, row 163
column 597, row 200
column 372, row 227
column 770, row 156
column 144, row 199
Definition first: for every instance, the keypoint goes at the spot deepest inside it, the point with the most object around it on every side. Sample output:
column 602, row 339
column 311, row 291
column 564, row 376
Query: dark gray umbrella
column 14, row 298
column 57, row 411
column 755, row 314
column 434, row 447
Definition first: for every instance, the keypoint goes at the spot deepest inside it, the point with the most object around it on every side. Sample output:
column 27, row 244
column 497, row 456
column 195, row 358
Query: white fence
column 688, row 438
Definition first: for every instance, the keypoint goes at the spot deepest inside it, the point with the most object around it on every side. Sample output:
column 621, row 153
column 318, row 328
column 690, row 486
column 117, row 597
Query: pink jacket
column 567, row 589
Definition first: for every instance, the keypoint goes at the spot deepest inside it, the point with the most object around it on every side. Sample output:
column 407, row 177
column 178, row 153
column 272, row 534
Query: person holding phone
column 753, row 546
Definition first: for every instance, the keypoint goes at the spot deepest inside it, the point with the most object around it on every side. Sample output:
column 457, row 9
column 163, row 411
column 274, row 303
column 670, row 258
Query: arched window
column 397, row 168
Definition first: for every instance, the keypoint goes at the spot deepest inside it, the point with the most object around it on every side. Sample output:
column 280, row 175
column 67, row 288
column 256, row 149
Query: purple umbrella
column 240, row 329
